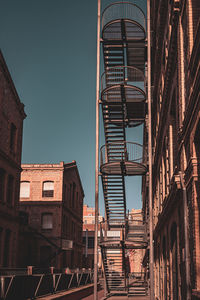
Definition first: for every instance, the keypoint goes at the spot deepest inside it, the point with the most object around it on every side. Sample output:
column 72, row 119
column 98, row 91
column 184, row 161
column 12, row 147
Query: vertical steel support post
column 151, row 252
column 186, row 231
column 97, row 157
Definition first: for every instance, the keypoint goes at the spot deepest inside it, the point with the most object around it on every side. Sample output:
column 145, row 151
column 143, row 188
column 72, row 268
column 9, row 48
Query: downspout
column 151, row 228
column 186, row 231
column 97, row 155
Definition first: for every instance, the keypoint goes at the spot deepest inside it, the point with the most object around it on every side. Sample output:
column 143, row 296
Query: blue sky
column 50, row 49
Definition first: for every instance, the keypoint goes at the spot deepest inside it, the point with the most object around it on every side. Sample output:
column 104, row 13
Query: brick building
column 88, row 236
column 176, row 148
column 136, row 255
column 11, row 126
column 51, row 208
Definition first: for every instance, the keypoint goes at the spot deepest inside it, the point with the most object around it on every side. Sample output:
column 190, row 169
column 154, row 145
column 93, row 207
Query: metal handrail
column 133, row 152
column 123, row 10
column 41, row 284
column 123, row 75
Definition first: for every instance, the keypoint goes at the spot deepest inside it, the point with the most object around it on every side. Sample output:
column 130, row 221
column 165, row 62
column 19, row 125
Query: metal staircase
column 113, row 267
column 123, row 102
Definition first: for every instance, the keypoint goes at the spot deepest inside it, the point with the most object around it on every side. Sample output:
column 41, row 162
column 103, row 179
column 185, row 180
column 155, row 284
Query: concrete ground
column 130, row 297
column 91, row 297
column 101, row 297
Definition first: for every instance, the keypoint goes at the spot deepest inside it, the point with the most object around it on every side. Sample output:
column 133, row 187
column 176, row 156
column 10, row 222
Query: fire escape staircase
column 123, row 103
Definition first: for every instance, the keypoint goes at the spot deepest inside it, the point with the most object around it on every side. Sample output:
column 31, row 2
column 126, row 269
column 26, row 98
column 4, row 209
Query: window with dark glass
column 74, row 195
column 2, row 184
column 47, row 221
column 13, row 135
column 10, row 189
column 25, row 189
column 6, row 248
column 45, row 256
column 90, row 242
column 48, row 189
column 1, row 240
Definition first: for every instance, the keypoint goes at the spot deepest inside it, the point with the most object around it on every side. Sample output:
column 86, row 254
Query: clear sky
column 50, row 49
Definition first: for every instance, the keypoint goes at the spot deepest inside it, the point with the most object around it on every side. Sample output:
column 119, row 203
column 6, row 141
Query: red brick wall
column 66, row 207
column 11, row 112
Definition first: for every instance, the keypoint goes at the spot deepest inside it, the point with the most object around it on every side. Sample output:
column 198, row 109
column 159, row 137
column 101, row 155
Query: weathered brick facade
column 11, row 126
column 51, row 201
column 89, row 236
column 136, row 255
column 176, row 147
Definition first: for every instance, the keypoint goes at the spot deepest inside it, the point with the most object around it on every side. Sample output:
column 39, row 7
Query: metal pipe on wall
column 97, row 155
column 186, row 224
column 151, row 252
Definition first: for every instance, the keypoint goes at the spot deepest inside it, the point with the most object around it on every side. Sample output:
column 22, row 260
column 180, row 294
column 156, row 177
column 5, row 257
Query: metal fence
column 123, row 10
column 125, row 75
column 132, row 152
column 23, row 287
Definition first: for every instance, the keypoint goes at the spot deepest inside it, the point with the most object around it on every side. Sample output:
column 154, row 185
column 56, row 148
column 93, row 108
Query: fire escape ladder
column 114, row 192
column 114, row 269
column 124, row 265
column 123, row 102
column 105, row 265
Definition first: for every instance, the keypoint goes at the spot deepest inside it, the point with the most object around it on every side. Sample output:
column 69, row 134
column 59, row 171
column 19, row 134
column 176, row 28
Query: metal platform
column 127, row 168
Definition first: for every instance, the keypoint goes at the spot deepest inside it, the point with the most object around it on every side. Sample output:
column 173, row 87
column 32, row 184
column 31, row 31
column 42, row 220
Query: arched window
column 6, row 254
column 2, row 184
column 10, row 189
column 13, row 135
column 48, row 189
column 25, row 189
column 174, row 261
column 47, row 221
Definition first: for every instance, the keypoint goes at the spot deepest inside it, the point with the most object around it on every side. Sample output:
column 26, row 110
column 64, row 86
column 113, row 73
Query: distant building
column 136, row 256
column 51, row 208
column 88, row 235
column 176, row 148
column 11, row 125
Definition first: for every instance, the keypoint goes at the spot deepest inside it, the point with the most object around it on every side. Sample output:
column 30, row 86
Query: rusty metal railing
column 123, row 75
column 123, row 10
column 36, row 285
column 133, row 152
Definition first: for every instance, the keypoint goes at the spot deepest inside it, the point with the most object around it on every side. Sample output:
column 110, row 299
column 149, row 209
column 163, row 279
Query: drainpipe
column 151, row 247
column 97, row 156
column 186, row 224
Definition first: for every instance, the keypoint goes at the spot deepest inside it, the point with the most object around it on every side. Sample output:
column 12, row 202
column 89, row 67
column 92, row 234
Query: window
column 48, row 189
column 47, row 221
column 23, row 217
column 197, row 141
column 13, row 134
column 25, row 189
column 1, row 240
column 10, row 189
column 74, row 194
column 91, row 242
column 2, row 184
column 45, row 256
column 6, row 254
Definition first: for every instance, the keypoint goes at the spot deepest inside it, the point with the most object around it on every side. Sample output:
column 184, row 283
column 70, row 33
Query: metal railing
column 123, row 10
column 132, row 152
column 124, row 76
column 36, row 285
column 116, row 234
